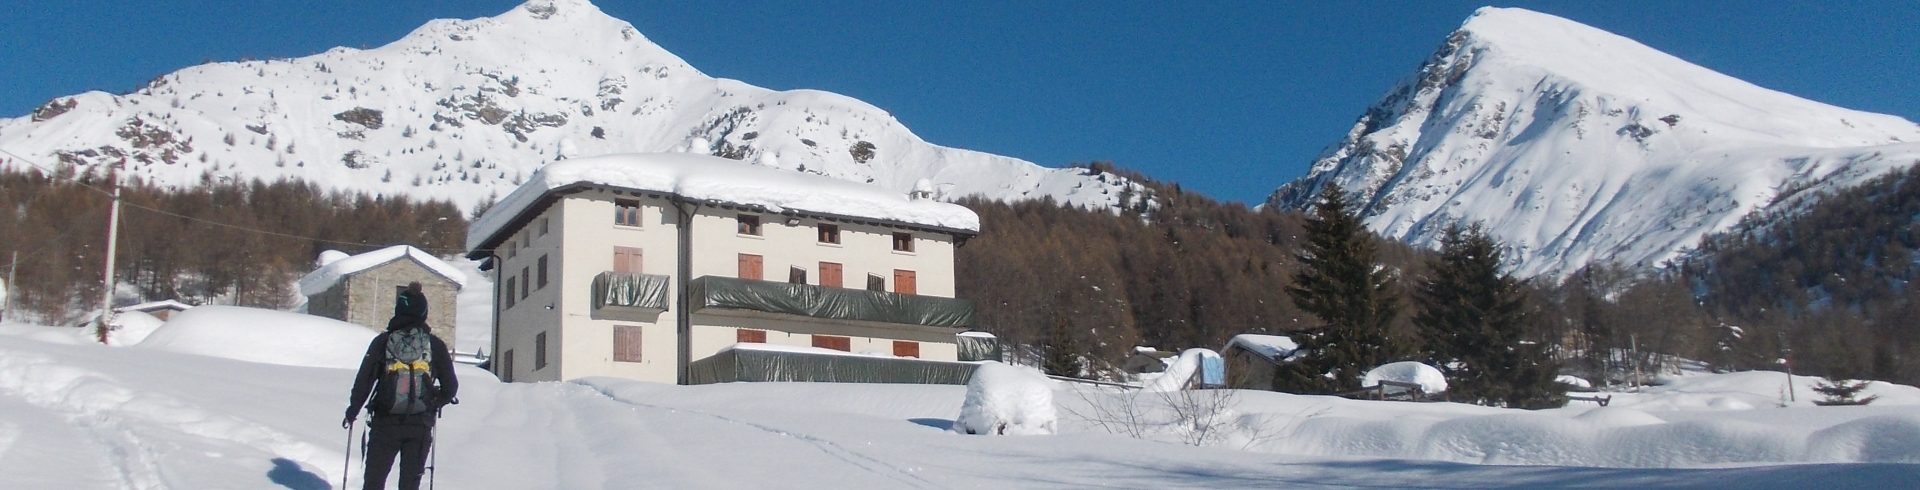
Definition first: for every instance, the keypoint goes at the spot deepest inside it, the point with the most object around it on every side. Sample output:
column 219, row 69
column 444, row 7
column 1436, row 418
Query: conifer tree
column 1472, row 323
column 1062, row 356
column 1842, row 392
column 1341, row 284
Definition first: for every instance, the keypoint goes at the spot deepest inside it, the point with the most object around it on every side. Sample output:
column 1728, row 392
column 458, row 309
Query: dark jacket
column 371, row 369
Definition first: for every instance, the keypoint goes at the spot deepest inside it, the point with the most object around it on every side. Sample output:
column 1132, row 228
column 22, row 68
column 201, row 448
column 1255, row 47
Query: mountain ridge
column 466, row 109
column 1576, row 146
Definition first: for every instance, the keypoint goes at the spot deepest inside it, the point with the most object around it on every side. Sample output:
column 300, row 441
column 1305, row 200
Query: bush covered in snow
column 1007, row 400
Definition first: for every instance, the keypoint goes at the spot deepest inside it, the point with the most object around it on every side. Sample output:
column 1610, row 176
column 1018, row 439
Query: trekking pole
column 346, row 467
column 433, row 453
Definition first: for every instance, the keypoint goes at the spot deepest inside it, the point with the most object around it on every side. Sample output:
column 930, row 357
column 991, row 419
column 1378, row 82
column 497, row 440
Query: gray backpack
column 408, row 387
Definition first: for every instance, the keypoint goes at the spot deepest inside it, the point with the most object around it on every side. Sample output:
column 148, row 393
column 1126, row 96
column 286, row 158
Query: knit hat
column 411, row 302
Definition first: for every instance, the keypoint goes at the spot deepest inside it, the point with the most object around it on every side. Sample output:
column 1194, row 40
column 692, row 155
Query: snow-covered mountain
column 1574, row 145
column 465, row 109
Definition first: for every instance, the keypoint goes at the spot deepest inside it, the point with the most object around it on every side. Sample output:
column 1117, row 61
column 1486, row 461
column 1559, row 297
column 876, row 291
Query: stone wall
column 366, row 298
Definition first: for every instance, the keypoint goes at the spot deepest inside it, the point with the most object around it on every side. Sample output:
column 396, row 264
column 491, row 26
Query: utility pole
column 106, row 293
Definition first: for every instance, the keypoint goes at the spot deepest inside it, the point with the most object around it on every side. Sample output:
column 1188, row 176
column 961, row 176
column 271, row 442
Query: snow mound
column 1428, row 377
column 1007, row 400
column 329, row 257
column 710, row 178
column 264, row 336
column 335, row 267
column 1180, row 370
column 131, row 327
column 1276, row 347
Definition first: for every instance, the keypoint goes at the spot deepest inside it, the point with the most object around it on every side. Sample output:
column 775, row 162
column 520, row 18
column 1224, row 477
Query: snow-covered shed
column 360, row 289
column 163, row 309
column 648, row 266
column 1251, row 359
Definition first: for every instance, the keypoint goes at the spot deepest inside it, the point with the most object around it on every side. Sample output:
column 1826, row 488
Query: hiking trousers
column 408, row 441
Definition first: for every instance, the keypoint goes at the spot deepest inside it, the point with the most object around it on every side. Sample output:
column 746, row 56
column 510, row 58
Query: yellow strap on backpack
column 416, row 366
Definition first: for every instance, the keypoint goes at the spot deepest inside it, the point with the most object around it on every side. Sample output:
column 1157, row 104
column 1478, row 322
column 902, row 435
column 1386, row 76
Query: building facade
column 603, row 279
column 361, row 289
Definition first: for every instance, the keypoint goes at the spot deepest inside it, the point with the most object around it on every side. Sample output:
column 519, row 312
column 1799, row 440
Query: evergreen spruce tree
column 1842, row 392
column 1062, row 356
column 1472, row 324
column 1342, row 285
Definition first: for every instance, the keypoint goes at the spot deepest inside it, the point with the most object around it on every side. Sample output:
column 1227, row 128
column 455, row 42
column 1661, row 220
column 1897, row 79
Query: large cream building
column 638, row 266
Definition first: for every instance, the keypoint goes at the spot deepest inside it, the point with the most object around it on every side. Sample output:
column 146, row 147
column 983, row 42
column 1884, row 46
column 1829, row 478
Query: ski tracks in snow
column 132, row 431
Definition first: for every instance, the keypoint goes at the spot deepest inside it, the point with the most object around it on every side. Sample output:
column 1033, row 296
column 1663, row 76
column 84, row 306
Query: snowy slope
column 85, row 416
column 1574, row 145
column 466, row 109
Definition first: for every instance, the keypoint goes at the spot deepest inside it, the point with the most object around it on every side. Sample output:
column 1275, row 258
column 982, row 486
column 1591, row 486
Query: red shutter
column 626, row 343
column 842, row 344
column 750, row 336
column 830, row 274
column 627, row 259
column 750, row 266
column 904, row 282
column 904, row 348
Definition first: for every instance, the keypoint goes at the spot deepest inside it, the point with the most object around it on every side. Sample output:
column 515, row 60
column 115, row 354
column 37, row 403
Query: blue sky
column 1229, row 98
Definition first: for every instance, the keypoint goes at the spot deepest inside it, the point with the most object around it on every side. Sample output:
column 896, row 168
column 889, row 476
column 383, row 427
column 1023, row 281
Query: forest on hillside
column 220, row 242
column 1825, row 288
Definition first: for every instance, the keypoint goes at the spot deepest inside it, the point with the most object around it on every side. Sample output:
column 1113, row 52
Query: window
column 540, row 351
column 526, row 241
column 904, row 282
column 513, row 248
column 796, row 275
column 876, row 283
column 750, row 336
column 525, row 284
column 627, row 259
column 829, row 233
column 506, row 366
column 903, row 242
column 509, row 295
column 541, row 272
column 749, row 225
column 842, row 344
column 905, row 348
column 543, row 226
column 750, row 267
column 626, row 212
column 830, row 274
column 626, row 343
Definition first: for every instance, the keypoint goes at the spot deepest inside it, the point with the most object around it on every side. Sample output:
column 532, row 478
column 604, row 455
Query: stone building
column 360, row 289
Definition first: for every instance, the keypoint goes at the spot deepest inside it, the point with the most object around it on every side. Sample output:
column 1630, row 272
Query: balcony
column 629, row 297
column 826, row 303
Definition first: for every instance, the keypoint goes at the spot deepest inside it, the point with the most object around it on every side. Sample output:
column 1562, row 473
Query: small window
column 750, row 336
column 796, row 275
column 627, row 260
column 509, row 296
column 540, row 351
column 541, row 267
column 842, row 344
column 749, row 225
column 525, row 283
column 829, row 233
column 513, row 248
column 830, row 274
column 906, row 348
column 506, row 366
column 626, row 343
column 526, row 241
column 626, row 212
column 876, row 283
column 903, row 242
column 543, row 226
column 751, row 267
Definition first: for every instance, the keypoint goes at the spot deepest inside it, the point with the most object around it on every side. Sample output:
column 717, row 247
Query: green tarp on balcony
column 829, row 303
column 747, row 363
column 631, row 297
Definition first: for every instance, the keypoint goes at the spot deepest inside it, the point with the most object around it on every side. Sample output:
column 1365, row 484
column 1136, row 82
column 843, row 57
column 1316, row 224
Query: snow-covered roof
column 326, row 276
column 1275, row 347
column 1428, row 377
column 714, row 179
column 165, row 304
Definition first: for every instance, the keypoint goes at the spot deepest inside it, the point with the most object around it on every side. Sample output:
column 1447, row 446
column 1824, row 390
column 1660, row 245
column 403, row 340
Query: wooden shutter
column 830, row 274
column 540, row 351
column 750, row 336
column 750, row 266
column 904, row 348
column 876, row 283
column 796, row 275
column 626, row 343
column 627, row 259
column 904, row 282
column 842, row 344
column 506, row 366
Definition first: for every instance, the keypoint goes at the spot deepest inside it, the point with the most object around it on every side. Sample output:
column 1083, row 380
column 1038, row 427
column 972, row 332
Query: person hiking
column 409, row 376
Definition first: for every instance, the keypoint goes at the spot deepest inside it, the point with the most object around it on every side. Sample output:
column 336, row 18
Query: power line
column 104, row 192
